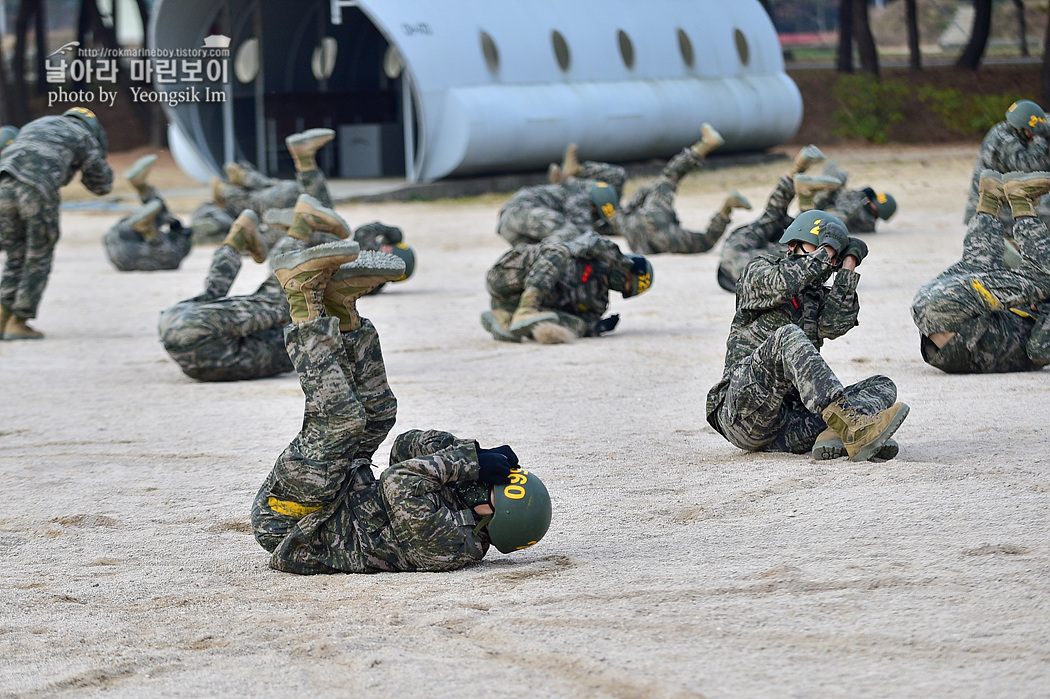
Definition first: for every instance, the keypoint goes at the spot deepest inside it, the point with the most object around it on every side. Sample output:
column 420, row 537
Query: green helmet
column 409, row 256
column 1026, row 114
column 604, row 198
column 885, row 204
column 7, row 134
column 521, row 513
column 88, row 117
column 641, row 272
column 806, row 227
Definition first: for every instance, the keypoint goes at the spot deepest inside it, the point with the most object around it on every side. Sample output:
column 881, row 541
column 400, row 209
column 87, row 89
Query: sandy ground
column 676, row 564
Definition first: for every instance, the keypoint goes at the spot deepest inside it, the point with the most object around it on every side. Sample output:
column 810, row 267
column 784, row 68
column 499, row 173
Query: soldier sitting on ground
column 215, row 337
column 584, row 198
column 763, row 234
column 979, row 316
column 859, row 209
column 442, row 501
column 249, row 189
column 1017, row 144
column 43, row 158
column 777, row 393
column 554, row 291
column 150, row 238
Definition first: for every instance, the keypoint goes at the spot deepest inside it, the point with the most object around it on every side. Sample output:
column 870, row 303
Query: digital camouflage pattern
column 215, row 337
column 128, row 251
column 558, row 211
column 573, row 278
column 775, row 384
column 1003, row 150
column 321, row 510
column 650, row 223
column 974, row 297
column 44, row 158
column 373, row 236
column 761, row 235
column 850, row 205
column 595, row 171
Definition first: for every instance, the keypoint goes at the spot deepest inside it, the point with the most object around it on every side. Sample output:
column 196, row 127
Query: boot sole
column 307, row 136
column 317, row 257
column 523, row 326
column 827, row 452
column 489, row 322
column 377, row 266
column 316, row 221
column 868, row 450
column 144, row 163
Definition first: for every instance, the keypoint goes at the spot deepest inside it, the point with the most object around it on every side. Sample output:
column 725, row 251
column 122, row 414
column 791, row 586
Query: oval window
column 685, row 47
column 323, row 62
column 561, row 50
column 246, row 62
column 491, row 53
column 626, row 49
column 741, row 46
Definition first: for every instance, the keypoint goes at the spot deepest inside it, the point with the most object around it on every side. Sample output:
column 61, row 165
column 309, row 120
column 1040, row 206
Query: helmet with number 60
column 522, row 512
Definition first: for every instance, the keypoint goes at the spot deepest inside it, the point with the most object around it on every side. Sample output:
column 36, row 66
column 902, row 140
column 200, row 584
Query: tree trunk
column 1022, row 29
column 19, row 94
column 982, row 26
column 869, row 55
column 1045, row 81
column 845, row 36
column 914, row 51
column 41, row 47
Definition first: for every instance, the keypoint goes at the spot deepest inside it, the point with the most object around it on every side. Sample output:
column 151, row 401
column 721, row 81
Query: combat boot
column 863, row 435
column 554, row 175
column 16, row 329
column 138, row 175
column 309, row 216
column 218, row 194
column 529, row 314
column 805, row 158
column 709, row 140
column 570, row 162
column 235, row 173
column 497, row 322
column 144, row 221
column 304, row 146
column 807, row 187
column 244, row 236
column 992, row 193
column 1023, row 190
column 832, row 169
column 355, row 279
column 829, row 446
column 305, row 273
column 735, row 200
column 279, row 218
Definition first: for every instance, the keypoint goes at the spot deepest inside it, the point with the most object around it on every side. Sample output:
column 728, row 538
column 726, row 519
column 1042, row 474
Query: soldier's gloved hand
column 505, row 450
column 606, row 324
column 857, row 248
column 495, row 468
column 834, row 235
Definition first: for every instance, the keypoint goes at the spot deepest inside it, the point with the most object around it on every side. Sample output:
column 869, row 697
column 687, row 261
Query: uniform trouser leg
column 978, row 283
column 29, row 232
column 210, row 223
column 762, row 234
column 752, row 414
column 362, row 359
column 532, row 224
column 313, row 182
column 533, row 267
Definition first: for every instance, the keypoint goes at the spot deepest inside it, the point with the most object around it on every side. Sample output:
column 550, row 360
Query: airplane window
column 246, row 61
column 561, row 50
column 686, row 47
column 626, row 49
column 491, row 53
column 741, row 46
column 323, row 62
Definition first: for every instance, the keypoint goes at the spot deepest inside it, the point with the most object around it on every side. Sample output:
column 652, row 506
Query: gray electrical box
column 371, row 150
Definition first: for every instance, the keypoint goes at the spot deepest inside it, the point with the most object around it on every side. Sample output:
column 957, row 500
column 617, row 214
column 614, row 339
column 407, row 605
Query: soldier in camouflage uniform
column 979, row 316
column 250, row 189
column 151, row 238
column 436, row 507
column 44, row 157
column 1018, row 144
column 553, row 290
column 859, row 209
column 777, row 393
column 585, row 198
column 763, row 234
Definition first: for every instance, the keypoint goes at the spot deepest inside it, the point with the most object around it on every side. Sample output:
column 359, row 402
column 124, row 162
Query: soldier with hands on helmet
column 440, row 503
column 1018, row 144
column 777, row 393
column 555, row 291
column 43, row 158
column 988, row 313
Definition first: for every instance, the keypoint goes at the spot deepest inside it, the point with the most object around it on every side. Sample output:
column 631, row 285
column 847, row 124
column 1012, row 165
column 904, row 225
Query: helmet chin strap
column 482, row 524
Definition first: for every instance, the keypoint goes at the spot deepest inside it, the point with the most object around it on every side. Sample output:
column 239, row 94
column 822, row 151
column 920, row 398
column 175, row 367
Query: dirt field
column 676, row 564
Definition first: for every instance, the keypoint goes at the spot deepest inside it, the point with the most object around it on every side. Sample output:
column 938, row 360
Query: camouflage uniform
column 215, row 337
column 558, row 211
column 321, row 510
column 373, row 236
column 1004, row 149
column 129, row 251
column 850, row 205
column 761, row 235
column 212, row 222
column 775, row 384
column 973, row 298
column 573, row 276
column 649, row 222
column 44, row 157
